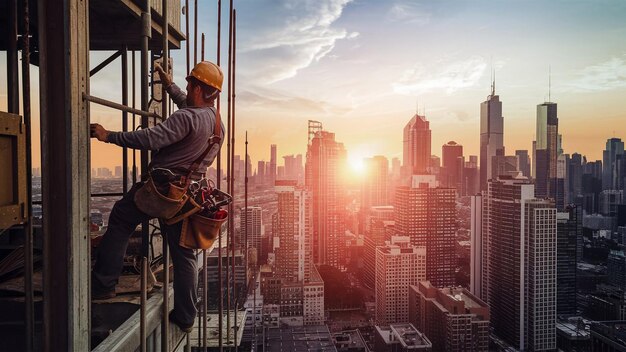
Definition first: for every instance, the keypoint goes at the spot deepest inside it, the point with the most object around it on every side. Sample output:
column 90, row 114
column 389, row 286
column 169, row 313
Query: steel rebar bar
column 29, row 308
column 125, row 118
column 166, row 258
column 232, row 204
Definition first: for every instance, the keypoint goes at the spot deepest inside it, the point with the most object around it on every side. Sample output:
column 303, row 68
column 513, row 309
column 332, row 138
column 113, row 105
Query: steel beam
column 64, row 78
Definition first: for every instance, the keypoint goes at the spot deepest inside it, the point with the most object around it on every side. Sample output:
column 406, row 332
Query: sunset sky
column 362, row 67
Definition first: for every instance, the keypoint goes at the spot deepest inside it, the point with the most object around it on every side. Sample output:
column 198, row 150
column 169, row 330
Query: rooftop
column 299, row 339
column 348, row 339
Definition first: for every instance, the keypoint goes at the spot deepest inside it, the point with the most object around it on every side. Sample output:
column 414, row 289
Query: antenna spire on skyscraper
column 549, row 83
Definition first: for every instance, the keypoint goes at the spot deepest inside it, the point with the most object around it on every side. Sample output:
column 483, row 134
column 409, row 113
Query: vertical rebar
column 146, row 25
column 232, row 204
column 205, row 275
column 245, row 233
column 13, row 91
column 29, row 318
column 187, row 34
column 195, row 32
column 124, row 117
column 218, row 176
column 134, row 88
column 229, row 170
column 166, row 257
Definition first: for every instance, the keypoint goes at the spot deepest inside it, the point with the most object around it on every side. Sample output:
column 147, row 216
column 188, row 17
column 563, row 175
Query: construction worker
column 176, row 143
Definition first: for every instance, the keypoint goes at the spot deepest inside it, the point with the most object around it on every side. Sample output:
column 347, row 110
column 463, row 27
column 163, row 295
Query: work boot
column 183, row 327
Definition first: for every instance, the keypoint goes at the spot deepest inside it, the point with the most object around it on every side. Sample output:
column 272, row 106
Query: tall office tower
column 575, row 176
column 523, row 162
column 325, row 159
column 452, row 166
column 569, row 229
column 118, row 171
column 546, row 150
column 614, row 150
column 427, row 215
column 592, row 186
column 293, row 230
column 251, row 220
column 398, row 265
column 520, row 232
column 453, row 319
column 616, row 269
column 471, row 176
column 562, row 196
column 416, row 146
column 260, row 172
column 395, row 167
column 478, row 255
column 491, row 134
column 273, row 161
column 374, row 187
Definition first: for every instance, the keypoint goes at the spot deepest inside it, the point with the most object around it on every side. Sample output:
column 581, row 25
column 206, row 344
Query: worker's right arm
column 178, row 95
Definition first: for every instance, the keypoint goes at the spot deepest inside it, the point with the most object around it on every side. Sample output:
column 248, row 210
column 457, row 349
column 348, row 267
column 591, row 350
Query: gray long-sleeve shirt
column 179, row 140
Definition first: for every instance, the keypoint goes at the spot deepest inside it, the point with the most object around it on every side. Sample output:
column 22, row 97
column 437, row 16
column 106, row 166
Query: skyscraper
column 374, row 187
column 478, row 255
column 427, row 215
column 523, row 162
column 251, row 220
column 452, row 166
column 325, row 160
column 546, row 150
column 491, row 134
column 520, row 233
column 610, row 156
column 416, row 146
column 398, row 265
column 569, row 229
column 293, row 230
column 272, row 173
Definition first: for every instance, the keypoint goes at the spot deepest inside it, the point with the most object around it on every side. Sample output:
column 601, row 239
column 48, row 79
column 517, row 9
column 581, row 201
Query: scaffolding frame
column 63, row 43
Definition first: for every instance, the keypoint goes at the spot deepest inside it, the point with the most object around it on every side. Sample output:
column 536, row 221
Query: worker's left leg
column 185, row 276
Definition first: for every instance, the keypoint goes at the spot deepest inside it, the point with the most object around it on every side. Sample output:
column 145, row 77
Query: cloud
column 272, row 100
column 408, row 12
column 607, row 75
column 449, row 77
column 298, row 34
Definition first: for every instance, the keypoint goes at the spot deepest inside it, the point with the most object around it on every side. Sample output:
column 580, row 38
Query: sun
column 357, row 165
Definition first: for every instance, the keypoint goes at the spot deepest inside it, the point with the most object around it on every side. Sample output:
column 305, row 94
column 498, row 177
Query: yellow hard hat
column 208, row 73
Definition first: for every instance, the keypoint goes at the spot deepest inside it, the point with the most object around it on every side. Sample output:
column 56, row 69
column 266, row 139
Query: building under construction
column 46, row 242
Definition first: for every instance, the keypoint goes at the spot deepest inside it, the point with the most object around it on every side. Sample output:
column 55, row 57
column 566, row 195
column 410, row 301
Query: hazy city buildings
column 272, row 166
column 325, row 160
column 452, row 318
column 427, row 215
column 416, row 146
column 491, row 134
column 398, row 265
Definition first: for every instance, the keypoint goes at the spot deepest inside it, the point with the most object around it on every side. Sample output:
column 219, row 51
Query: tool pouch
column 190, row 208
column 199, row 232
column 150, row 199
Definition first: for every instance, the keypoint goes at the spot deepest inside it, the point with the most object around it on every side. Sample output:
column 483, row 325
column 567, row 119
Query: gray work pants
column 123, row 220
